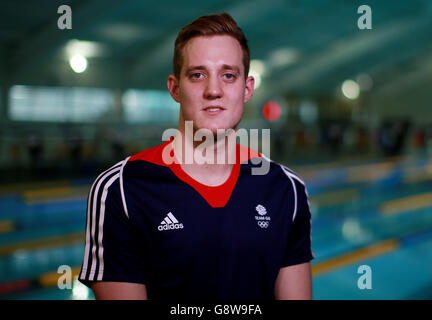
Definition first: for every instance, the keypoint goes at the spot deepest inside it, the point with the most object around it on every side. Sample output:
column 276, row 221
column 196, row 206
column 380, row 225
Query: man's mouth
column 213, row 110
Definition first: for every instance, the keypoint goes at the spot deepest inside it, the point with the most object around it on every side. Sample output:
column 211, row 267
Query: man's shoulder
column 152, row 155
column 279, row 169
column 141, row 162
column 112, row 173
column 146, row 165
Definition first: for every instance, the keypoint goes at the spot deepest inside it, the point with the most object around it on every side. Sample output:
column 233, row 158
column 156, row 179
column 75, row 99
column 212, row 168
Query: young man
column 187, row 230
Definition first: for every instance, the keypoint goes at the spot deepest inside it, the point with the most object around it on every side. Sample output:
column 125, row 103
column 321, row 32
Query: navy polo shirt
column 149, row 222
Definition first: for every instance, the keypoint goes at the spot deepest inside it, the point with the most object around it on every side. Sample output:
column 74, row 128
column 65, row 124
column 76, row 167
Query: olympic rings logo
column 263, row 224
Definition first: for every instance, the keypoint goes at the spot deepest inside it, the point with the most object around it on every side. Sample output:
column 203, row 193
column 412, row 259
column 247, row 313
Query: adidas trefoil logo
column 169, row 223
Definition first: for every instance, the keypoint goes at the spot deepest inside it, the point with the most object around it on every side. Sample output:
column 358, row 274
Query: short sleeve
column 112, row 247
column 299, row 240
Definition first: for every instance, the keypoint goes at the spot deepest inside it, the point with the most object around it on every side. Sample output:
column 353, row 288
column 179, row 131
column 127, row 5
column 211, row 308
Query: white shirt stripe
column 289, row 175
column 101, row 221
column 121, row 187
column 91, row 214
column 94, row 214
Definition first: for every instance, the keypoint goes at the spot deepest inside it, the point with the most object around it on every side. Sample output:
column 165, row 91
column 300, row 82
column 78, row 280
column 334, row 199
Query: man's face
column 212, row 88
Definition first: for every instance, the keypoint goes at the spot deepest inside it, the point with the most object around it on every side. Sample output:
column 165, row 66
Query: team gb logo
column 262, row 220
column 261, row 210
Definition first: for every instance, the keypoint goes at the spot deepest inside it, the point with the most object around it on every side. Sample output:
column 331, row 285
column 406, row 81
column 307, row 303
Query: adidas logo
column 169, row 223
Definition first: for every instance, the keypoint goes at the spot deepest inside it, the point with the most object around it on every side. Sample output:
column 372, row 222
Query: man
column 186, row 230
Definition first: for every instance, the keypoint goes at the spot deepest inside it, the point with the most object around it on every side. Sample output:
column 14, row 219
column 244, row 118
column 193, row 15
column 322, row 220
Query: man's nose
column 213, row 89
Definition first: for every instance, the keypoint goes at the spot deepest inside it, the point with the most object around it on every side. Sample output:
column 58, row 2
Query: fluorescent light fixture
column 350, row 89
column 84, row 48
column 283, row 57
column 78, row 63
column 123, row 32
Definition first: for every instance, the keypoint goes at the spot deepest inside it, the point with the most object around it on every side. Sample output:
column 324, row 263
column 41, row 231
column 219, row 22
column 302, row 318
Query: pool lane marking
column 418, row 201
column 355, row 256
column 20, row 187
column 47, row 279
column 335, row 197
column 370, row 172
column 419, row 173
column 42, row 243
column 53, row 194
column 7, row 226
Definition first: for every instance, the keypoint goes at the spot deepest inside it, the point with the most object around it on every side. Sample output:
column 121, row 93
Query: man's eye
column 229, row 76
column 196, row 75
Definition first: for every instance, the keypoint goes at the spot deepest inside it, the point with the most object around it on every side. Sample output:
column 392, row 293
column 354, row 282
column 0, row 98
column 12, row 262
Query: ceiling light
column 78, row 63
column 350, row 89
column 84, row 48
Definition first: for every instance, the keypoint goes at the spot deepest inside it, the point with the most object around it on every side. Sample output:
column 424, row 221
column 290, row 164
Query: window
column 61, row 104
column 149, row 106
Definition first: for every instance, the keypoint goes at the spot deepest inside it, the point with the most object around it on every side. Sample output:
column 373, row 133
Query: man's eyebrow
column 224, row 67
column 229, row 67
column 195, row 68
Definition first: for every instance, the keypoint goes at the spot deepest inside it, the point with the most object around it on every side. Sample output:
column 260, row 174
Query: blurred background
column 349, row 110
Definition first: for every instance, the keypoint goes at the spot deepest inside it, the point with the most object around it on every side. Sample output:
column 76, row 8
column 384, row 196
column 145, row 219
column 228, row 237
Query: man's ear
column 249, row 88
column 173, row 87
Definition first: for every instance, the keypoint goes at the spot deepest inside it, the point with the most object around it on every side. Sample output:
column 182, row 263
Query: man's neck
column 208, row 163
